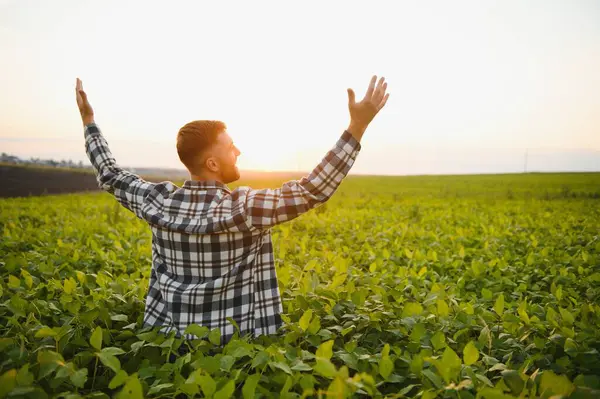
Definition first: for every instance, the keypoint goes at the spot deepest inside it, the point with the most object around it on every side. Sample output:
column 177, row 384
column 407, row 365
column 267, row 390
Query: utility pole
column 526, row 153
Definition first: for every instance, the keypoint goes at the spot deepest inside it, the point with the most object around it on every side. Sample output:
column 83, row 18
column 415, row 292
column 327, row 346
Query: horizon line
column 303, row 173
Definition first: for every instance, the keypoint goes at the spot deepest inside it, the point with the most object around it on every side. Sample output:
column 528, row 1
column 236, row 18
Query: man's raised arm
column 268, row 207
column 128, row 188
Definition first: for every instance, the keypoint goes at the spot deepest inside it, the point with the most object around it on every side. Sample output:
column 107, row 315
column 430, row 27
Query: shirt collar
column 205, row 184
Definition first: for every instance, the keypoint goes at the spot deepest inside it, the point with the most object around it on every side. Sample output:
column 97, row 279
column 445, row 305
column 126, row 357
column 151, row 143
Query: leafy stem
column 95, row 368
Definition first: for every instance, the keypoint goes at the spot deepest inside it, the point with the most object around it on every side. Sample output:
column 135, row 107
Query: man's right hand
column 363, row 112
column 85, row 109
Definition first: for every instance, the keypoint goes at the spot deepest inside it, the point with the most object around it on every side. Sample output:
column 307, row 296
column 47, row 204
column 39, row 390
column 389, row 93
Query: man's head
column 206, row 150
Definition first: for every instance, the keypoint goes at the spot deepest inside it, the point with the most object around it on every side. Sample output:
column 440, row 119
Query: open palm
column 363, row 112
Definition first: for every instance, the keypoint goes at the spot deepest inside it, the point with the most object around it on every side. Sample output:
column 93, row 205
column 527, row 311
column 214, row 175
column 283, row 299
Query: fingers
column 382, row 104
column 79, row 91
column 351, row 97
column 379, row 91
column 77, row 88
column 369, row 92
column 375, row 94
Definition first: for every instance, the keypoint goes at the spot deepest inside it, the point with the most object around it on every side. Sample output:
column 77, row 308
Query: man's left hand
column 85, row 109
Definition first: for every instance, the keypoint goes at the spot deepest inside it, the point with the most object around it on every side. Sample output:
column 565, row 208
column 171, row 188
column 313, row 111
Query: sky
column 475, row 86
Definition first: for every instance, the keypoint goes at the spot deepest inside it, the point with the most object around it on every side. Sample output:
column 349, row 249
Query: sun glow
column 265, row 155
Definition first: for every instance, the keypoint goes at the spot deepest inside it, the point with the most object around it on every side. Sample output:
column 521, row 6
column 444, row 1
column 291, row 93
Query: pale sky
column 473, row 83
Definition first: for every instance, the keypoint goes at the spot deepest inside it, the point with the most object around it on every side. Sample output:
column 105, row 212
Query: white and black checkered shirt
column 212, row 254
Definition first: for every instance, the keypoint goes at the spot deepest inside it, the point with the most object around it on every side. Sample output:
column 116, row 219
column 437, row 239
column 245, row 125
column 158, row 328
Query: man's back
column 207, row 267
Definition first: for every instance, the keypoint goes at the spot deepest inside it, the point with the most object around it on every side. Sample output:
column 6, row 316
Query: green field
column 426, row 286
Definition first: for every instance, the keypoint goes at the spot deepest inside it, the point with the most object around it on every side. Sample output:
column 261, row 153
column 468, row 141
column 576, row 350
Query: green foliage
column 440, row 286
column 470, row 353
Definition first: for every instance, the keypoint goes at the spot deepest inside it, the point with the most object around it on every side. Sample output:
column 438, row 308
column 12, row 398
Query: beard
column 230, row 174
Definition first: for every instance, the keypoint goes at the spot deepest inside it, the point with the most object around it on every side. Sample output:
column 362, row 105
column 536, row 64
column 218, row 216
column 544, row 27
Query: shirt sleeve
column 269, row 207
column 128, row 188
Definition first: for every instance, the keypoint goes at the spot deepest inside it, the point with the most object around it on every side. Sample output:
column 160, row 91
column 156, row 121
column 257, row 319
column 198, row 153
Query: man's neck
column 205, row 176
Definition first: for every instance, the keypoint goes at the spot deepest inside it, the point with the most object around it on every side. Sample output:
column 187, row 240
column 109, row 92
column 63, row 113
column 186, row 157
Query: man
column 212, row 255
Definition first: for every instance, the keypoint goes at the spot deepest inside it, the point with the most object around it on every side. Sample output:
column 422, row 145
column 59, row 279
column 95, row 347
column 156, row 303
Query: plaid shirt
column 212, row 254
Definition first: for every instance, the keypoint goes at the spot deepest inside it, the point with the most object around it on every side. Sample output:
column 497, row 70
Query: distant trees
column 13, row 159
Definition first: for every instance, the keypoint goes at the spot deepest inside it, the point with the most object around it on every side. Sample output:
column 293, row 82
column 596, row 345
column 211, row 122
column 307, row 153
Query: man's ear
column 211, row 164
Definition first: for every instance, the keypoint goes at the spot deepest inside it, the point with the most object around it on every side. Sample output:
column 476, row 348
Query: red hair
column 196, row 137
